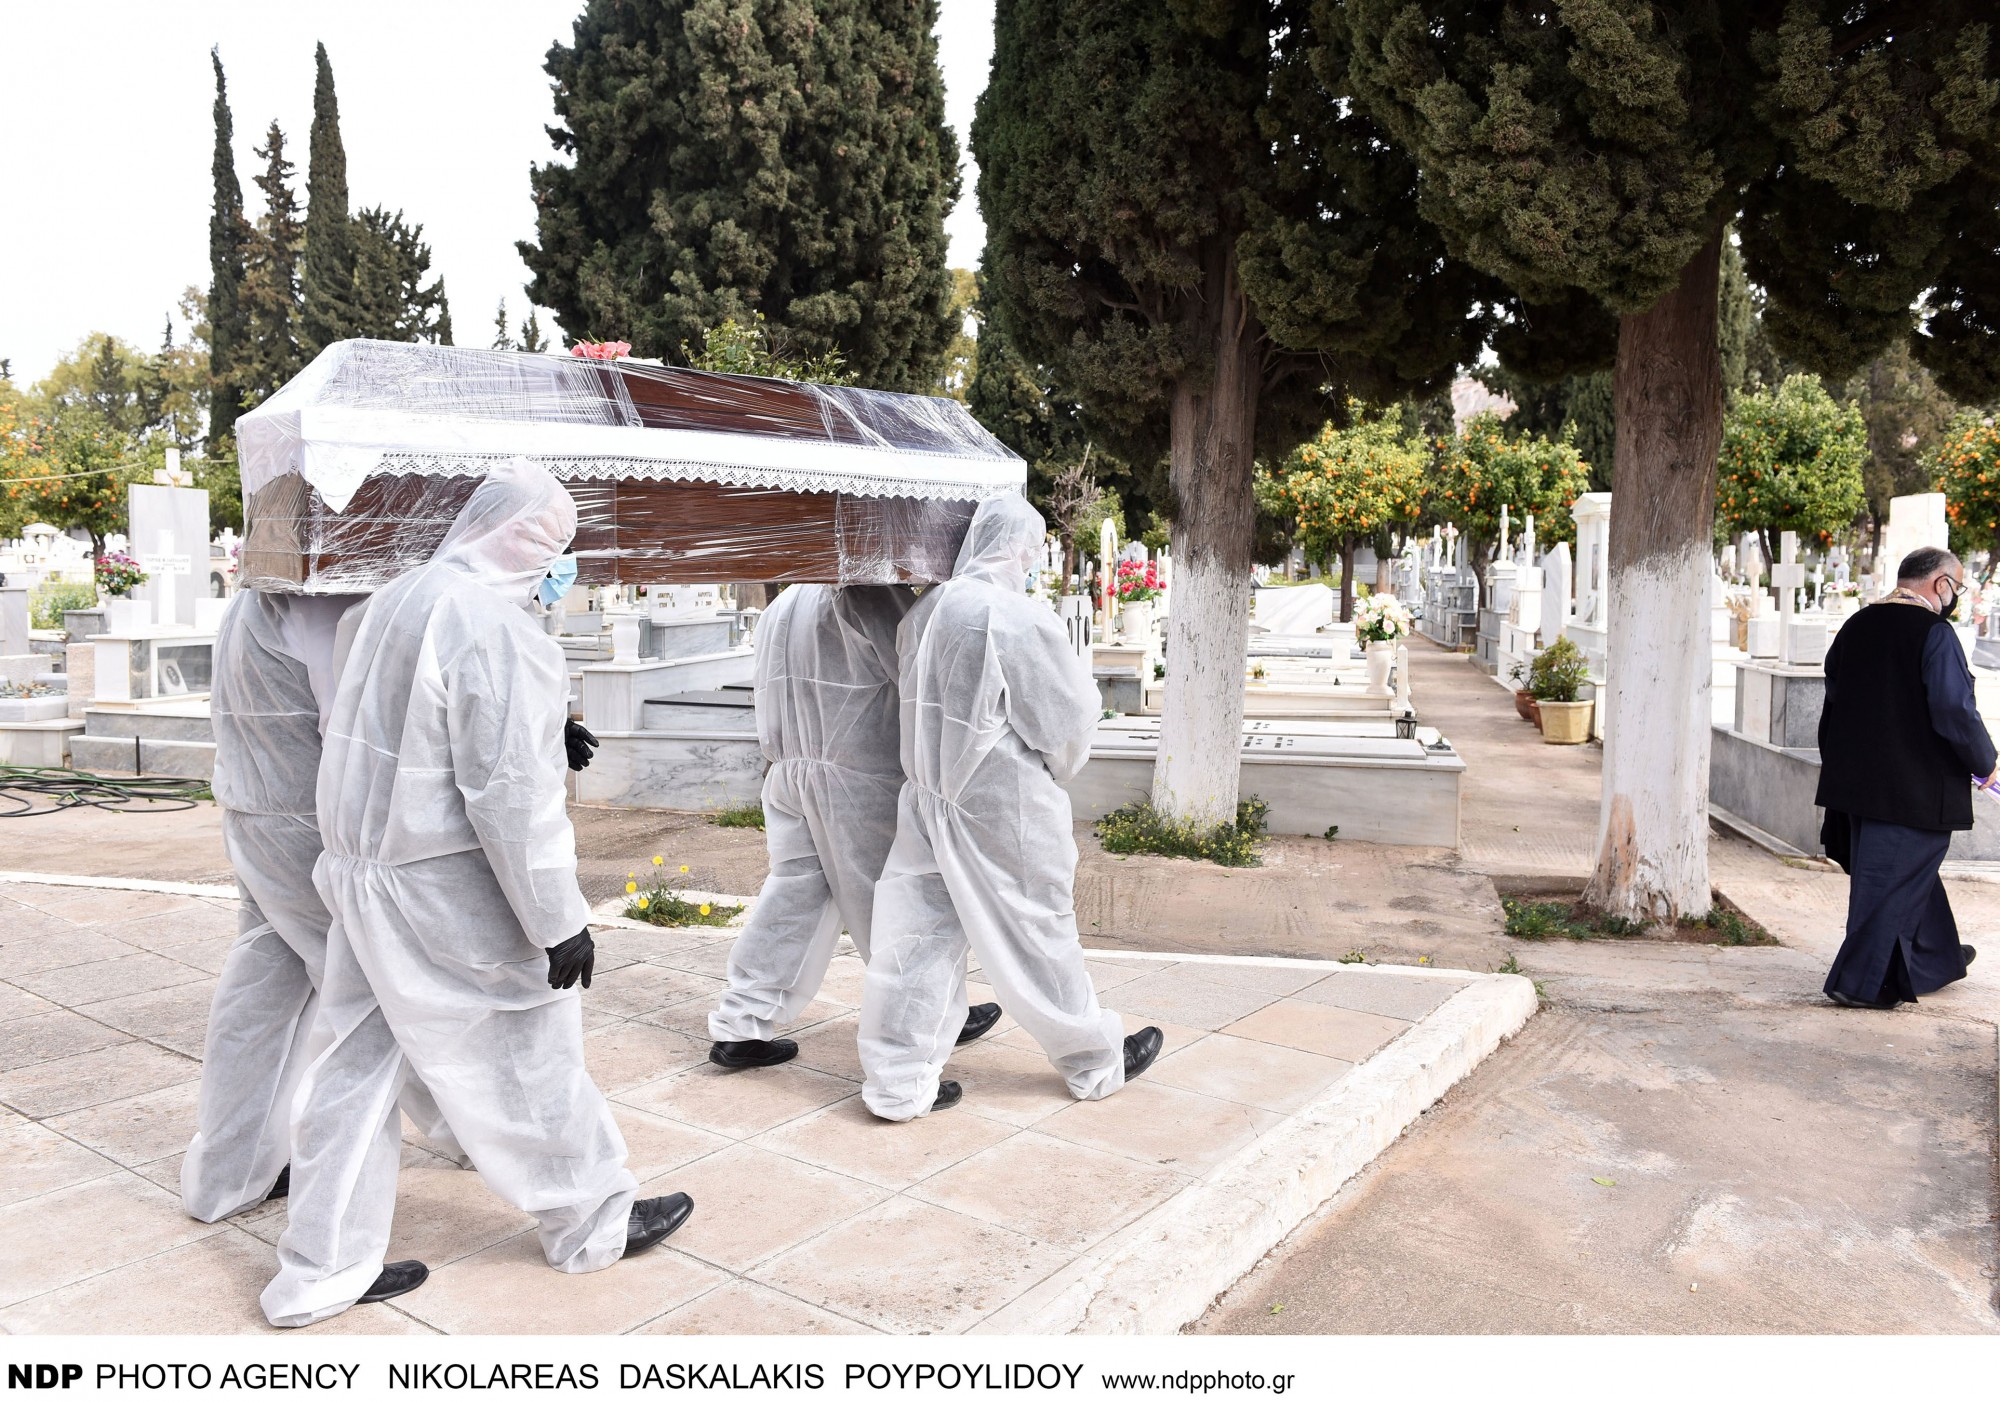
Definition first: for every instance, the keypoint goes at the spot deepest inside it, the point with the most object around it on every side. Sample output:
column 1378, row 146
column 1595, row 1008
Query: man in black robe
column 1901, row 747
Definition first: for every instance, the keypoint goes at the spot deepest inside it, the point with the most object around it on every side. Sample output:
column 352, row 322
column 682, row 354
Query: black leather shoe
column 738, row 1056
column 1969, row 954
column 979, row 1020
column 397, row 1278
column 949, row 1094
column 283, row 1187
column 1847, row 1002
column 656, row 1219
column 1142, row 1048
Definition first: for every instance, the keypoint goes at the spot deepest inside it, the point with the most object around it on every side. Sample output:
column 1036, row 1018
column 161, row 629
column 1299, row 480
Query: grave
column 1376, row 788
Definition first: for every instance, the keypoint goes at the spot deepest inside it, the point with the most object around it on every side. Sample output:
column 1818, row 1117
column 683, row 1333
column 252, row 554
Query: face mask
column 562, row 574
column 1946, row 610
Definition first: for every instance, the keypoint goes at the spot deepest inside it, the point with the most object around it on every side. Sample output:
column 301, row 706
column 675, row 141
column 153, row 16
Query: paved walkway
column 811, row 1216
column 1688, row 1138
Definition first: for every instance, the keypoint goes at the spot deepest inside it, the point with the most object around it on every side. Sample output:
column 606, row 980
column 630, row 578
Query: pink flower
column 601, row 350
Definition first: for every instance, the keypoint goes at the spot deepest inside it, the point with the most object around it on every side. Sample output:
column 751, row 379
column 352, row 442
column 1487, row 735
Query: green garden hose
column 29, row 793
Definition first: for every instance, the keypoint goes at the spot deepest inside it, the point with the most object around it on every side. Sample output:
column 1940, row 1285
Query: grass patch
column 660, row 906
column 1573, row 920
column 1541, row 920
column 1139, row 827
column 1731, row 927
column 749, row 815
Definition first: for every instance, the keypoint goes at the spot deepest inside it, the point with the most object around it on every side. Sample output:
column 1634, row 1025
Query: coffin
column 354, row 470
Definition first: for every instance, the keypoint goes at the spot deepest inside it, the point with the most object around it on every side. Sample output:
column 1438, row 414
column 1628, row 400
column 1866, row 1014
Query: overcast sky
column 105, row 195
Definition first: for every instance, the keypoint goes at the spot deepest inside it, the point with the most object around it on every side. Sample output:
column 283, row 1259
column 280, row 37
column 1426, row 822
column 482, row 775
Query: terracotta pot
column 1565, row 722
column 1524, row 703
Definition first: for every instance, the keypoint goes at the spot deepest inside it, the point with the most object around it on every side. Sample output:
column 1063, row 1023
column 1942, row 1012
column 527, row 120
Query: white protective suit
column 997, row 710
column 268, row 700
column 450, row 868
column 827, row 721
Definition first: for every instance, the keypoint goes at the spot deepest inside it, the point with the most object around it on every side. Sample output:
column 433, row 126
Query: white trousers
column 264, row 1003
column 940, row 896
column 828, row 831
column 500, row 1051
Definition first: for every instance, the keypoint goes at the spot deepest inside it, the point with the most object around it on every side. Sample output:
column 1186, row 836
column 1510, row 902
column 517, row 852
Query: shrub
column 1558, row 673
column 749, row 815
column 1139, row 827
column 46, row 604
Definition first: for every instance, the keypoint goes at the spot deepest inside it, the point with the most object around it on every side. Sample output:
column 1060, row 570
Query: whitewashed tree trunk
column 1652, row 860
column 1208, row 628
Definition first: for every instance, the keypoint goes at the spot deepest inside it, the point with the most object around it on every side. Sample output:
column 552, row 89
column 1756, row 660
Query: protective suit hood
column 512, row 528
column 1003, row 543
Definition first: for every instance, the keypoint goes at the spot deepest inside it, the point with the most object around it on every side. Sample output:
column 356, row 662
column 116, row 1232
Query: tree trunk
column 1652, row 860
column 1347, row 579
column 1214, row 422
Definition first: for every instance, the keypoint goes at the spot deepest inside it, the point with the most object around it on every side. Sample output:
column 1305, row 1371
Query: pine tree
column 1590, row 156
column 1194, row 238
column 388, row 300
column 532, row 339
column 273, row 353
column 327, row 274
column 228, row 237
column 501, row 340
column 788, row 157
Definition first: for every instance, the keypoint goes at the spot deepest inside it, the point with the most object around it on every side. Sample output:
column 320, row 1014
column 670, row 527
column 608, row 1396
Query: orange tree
column 1966, row 468
column 1346, row 485
column 1483, row 467
column 69, row 468
column 1791, row 461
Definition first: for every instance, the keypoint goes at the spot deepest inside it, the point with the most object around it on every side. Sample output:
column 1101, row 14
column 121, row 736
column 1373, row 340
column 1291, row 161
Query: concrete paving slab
column 811, row 1214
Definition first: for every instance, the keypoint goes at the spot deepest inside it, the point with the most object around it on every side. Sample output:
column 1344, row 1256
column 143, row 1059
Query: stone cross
column 1528, row 541
column 1786, row 577
column 1504, row 529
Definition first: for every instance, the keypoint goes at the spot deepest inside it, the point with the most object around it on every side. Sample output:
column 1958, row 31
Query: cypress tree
column 388, row 300
column 788, row 157
column 228, row 235
column 1590, row 155
column 327, row 274
column 1194, row 238
column 502, row 339
column 273, row 353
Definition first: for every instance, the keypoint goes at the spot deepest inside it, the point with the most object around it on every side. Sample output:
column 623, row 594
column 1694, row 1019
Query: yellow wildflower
column 630, row 887
column 659, row 861
column 644, row 903
column 704, row 907
column 684, row 871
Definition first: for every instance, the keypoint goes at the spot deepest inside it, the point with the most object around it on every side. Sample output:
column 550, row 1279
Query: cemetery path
column 1688, row 1139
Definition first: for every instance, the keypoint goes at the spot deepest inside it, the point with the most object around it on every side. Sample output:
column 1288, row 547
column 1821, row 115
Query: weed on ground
column 1139, row 827
column 1541, row 920
column 750, row 815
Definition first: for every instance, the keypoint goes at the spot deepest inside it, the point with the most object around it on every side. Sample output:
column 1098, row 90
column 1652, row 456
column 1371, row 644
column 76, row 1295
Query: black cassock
column 1901, row 938
column 1902, row 941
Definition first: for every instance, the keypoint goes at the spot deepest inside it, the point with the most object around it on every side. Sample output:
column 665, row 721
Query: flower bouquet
column 1137, row 583
column 1381, row 618
column 118, row 574
column 601, row 350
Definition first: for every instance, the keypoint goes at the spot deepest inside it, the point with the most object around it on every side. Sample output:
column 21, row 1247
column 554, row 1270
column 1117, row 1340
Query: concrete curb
column 1164, row 1271
column 116, row 883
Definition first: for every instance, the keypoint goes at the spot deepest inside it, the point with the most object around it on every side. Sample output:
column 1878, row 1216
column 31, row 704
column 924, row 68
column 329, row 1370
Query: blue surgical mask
column 562, row 574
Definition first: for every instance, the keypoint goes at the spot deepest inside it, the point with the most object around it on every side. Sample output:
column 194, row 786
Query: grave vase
column 1135, row 623
column 123, row 617
column 1381, row 658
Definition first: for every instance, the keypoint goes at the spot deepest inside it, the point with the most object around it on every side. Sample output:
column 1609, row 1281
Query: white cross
column 1786, row 576
column 1503, row 531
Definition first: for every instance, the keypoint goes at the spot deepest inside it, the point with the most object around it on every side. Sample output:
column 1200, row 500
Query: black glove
column 579, row 742
column 572, row 960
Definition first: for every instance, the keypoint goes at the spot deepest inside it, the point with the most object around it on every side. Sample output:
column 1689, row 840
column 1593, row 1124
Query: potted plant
column 118, row 575
column 1555, row 679
column 1137, row 585
column 1380, row 622
column 1524, row 699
